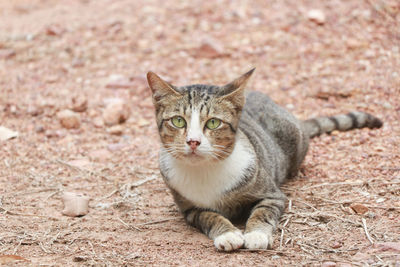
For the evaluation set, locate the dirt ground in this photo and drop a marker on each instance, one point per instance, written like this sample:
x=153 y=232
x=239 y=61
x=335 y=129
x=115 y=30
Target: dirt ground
x=344 y=206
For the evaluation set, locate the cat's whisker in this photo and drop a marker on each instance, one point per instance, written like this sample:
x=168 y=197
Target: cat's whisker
x=172 y=149
x=222 y=151
x=219 y=156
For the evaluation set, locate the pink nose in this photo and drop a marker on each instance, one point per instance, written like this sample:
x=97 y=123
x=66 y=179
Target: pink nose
x=193 y=144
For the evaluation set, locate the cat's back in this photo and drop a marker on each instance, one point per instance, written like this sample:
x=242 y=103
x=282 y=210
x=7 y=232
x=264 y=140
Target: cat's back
x=273 y=130
x=261 y=108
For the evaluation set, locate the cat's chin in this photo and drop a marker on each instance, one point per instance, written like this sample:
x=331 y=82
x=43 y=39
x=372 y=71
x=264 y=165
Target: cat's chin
x=195 y=159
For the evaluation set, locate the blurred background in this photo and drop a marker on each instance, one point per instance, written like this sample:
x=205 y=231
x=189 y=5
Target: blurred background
x=73 y=89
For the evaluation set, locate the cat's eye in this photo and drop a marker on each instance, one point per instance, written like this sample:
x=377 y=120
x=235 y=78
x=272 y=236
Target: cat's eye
x=178 y=122
x=213 y=123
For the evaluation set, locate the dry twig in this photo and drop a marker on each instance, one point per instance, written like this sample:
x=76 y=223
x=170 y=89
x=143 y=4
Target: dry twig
x=129 y=226
x=158 y=221
x=364 y=224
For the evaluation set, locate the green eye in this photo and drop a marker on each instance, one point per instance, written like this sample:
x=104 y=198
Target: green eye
x=178 y=122
x=213 y=123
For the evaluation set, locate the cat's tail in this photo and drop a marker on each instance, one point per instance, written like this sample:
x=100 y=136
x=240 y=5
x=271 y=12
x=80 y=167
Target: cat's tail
x=344 y=122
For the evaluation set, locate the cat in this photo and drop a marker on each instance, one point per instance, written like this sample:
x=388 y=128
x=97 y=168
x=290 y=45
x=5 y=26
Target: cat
x=224 y=153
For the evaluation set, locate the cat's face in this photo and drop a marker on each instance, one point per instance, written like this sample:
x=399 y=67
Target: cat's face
x=198 y=123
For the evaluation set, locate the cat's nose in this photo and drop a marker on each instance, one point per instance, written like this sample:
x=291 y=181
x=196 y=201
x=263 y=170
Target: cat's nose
x=193 y=144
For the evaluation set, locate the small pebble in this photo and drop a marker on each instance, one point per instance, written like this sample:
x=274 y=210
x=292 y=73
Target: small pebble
x=370 y=215
x=316 y=16
x=79 y=259
x=39 y=129
x=210 y=48
x=116 y=130
x=98 y=122
x=34 y=111
x=69 y=119
x=7 y=53
x=102 y=155
x=336 y=245
x=75 y=204
x=328 y=264
x=79 y=103
x=359 y=208
x=116 y=112
x=116 y=146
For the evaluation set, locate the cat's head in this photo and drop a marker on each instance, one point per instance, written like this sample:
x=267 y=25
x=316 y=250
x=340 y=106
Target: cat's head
x=198 y=123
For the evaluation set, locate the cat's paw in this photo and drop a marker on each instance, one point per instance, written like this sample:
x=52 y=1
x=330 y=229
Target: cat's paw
x=229 y=241
x=257 y=240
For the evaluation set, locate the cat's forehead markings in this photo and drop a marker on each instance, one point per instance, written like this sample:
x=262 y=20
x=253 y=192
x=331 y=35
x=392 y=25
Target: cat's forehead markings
x=201 y=107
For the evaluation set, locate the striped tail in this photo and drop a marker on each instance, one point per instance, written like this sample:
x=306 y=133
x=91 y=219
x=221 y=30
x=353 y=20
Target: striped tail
x=352 y=120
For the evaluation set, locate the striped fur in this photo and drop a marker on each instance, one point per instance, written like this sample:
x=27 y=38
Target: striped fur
x=344 y=122
x=237 y=168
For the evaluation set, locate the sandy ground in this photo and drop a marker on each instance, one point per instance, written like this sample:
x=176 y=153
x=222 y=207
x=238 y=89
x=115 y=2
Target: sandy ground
x=346 y=58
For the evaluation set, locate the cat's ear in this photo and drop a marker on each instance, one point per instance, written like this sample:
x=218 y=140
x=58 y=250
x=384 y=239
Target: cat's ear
x=159 y=87
x=234 y=91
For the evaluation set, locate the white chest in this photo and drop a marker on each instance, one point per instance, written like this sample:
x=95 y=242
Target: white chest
x=205 y=185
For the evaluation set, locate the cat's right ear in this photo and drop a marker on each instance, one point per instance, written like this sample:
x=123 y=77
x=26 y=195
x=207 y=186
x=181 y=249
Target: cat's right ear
x=159 y=87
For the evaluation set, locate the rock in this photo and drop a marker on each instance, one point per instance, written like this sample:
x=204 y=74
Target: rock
x=142 y=122
x=11 y=259
x=116 y=130
x=83 y=163
x=385 y=246
x=116 y=146
x=328 y=264
x=387 y=105
x=355 y=44
x=336 y=245
x=316 y=16
x=39 y=129
x=6 y=134
x=98 y=122
x=75 y=204
x=79 y=103
x=54 y=30
x=13 y=110
x=69 y=119
x=370 y=215
x=117 y=81
x=102 y=155
x=77 y=63
x=116 y=112
x=7 y=53
x=51 y=79
x=79 y=259
x=54 y=134
x=34 y=111
x=210 y=48
x=359 y=208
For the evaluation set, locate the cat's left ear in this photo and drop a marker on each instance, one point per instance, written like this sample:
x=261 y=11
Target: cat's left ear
x=234 y=91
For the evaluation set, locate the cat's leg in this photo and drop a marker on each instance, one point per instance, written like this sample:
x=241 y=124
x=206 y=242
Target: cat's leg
x=262 y=222
x=225 y=235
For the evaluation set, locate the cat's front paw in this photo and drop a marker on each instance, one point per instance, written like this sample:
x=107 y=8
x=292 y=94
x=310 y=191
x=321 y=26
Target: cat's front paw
x=257 y=240
x=229 y=241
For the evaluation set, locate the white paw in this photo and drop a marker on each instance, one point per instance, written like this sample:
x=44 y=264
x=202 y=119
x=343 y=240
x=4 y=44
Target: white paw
x=257 y=240
x=229 y=241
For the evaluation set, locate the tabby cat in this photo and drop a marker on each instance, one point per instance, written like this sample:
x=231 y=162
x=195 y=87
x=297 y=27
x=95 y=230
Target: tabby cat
x=225 y=152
